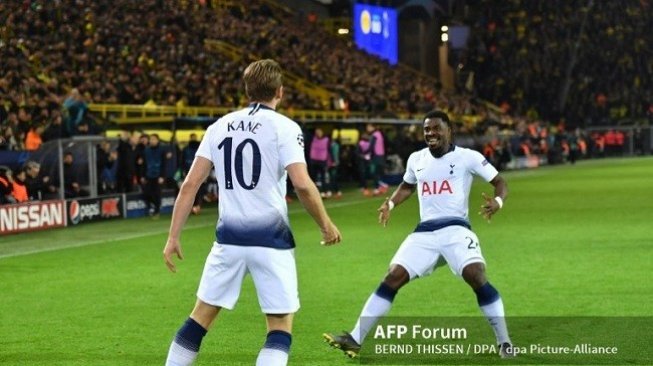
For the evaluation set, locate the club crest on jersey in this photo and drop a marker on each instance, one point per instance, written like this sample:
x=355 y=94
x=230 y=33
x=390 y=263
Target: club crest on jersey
x=300 y=140
x=451 y=166
x=434 y=188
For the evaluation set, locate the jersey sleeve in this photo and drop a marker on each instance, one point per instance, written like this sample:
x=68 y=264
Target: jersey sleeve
x=409 y=175
x=479 y=165
x=291 y=145
x=204 y=150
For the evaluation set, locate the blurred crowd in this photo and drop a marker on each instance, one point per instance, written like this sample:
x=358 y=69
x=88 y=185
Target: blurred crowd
x=521 y=51
x=152 y=52
x=362 y=82
x=135 y=163
x=60 y=56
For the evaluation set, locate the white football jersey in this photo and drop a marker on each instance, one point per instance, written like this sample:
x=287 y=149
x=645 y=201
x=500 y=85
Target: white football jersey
x=250 y=150
x=443 y=184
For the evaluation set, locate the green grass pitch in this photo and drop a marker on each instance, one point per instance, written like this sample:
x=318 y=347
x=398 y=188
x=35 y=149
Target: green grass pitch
x=570 y=240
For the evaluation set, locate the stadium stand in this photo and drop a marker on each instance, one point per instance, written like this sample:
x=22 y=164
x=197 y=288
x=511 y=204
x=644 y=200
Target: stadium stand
x=524 y=53
x=121 y=57
x=150 y=62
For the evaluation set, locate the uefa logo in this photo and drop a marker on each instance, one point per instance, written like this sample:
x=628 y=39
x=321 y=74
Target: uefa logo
x=366 y=22
x=74 y=212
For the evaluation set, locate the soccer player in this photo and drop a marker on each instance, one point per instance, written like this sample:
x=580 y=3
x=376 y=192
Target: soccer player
x=442 y=174
x=252 y=150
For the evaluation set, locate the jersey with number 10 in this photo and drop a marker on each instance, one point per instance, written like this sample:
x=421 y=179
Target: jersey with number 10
x=250 y=150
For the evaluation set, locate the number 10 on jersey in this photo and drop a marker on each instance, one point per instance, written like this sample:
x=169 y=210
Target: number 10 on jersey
x=227 y=146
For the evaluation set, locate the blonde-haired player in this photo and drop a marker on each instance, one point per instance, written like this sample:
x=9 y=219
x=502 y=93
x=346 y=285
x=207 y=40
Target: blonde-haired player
x=253 y=150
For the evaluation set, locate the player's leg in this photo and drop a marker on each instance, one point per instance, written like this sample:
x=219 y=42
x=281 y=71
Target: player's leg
x=491 y=305
x=219 y=288
x=187 y=342
x=416 y=257
x=380 y=301
x=463 y=253
x=277 y=342
x=275 y=278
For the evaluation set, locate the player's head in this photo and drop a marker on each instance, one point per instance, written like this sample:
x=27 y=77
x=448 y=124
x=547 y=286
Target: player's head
x=263 y=81
x=437 y=132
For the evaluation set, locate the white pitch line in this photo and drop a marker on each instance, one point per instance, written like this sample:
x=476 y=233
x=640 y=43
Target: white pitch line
x=150 y=233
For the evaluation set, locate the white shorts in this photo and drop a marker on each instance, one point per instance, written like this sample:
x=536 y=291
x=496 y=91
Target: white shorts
x=273 y=271
x=421 y=252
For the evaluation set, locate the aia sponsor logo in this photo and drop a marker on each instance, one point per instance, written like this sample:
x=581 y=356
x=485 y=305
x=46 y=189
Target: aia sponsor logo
x=435 y=188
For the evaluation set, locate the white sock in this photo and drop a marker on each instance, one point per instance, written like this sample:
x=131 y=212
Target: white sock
x=374 y=308
x=494 y=314
x=272 y=357
x=180 y=356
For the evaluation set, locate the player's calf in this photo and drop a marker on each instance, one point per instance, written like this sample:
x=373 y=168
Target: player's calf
x=275 y=350
x=186 y=344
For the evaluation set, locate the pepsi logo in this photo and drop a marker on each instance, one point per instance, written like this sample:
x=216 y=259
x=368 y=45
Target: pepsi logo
x=73 y=212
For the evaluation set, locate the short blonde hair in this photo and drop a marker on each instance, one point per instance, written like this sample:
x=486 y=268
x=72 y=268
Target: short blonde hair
x=262 y=79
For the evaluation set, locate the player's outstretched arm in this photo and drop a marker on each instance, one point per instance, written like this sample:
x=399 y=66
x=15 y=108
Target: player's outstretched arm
x=198 y=172
x=403 y=191
x=310 y=198
x=493 y=204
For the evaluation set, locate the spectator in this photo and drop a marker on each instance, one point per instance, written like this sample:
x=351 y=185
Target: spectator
x=6 y=186
x=620 y=140
x=154 y=162
x=106 y=168
x=187 y=158
x=143 y=143
x=72 y=186
x=33 y=139
x=76 y=109
x=363 y=157
x=319 y=155
x=173 y=174
x=38 y=187
x=55 y=129
x=127 y=155
x=334 y=167
x=19 y=188
x=377 y=161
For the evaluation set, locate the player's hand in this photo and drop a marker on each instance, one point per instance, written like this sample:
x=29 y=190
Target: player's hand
x=489 y=207
x=172 y=247
x=384 y=212
x=330 y=235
